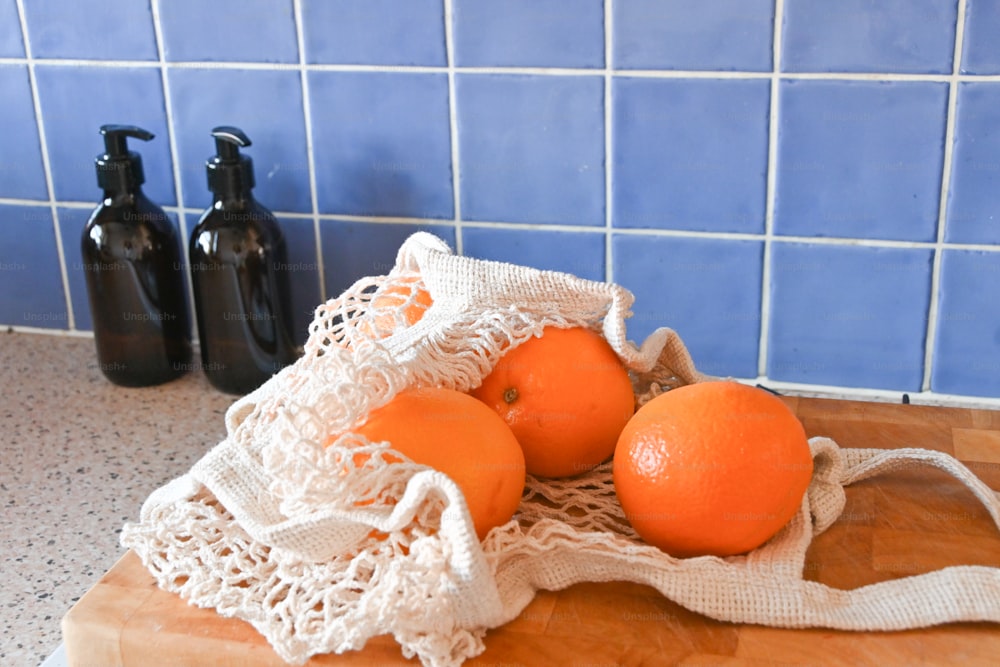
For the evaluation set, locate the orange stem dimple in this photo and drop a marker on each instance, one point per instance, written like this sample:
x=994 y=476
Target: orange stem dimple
x=510 y=395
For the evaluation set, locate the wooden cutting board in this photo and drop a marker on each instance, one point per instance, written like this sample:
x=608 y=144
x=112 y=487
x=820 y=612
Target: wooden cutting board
x=910 y=522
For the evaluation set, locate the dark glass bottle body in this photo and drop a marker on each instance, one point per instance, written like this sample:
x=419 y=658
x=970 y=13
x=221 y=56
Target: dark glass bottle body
x=238 y=270
x=135 y=284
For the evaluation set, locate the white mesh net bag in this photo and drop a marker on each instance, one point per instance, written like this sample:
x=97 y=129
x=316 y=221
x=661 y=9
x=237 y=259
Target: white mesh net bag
x=321 y=550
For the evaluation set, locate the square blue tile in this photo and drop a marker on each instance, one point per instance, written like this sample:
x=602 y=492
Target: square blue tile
x=21 y=173
x=95 y=29
x=229 y=30
x=303 y=272
x=848 y=316
x=529 y=33
x=707 y=35
x=382 y=143
x=11 y=45
x=980 y=48
x=531 y=148
x=267 y=105
x=967 y=345
x=76 y=101
x=71 y=224
x=690 y=154
x=353 y=250
x=31 y=290
x=860 y=159
x=374 y=32
x=707 y=290
x=578 y=253
x=974 y=202
x=911 y=36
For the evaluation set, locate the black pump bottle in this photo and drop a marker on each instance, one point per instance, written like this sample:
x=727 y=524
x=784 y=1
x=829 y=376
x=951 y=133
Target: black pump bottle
x=239 y=272
x=135 y=282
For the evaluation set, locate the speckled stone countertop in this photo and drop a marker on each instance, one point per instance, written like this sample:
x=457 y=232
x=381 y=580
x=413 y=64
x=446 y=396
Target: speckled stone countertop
x=78 y=456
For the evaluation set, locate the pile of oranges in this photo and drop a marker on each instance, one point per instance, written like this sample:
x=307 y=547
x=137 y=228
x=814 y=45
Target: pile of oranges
x=714 y=468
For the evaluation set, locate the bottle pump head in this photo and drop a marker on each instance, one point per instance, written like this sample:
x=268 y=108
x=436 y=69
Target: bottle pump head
x=118 y=168
x=230 y=174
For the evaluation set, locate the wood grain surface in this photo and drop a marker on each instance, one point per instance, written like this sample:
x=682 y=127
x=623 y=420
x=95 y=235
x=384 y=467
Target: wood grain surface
x=912 y=521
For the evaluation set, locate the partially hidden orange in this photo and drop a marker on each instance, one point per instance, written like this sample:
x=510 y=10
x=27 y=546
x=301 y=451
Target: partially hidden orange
x=713 y=468
x=393 y=306
x=565 y=395
x=454 y=433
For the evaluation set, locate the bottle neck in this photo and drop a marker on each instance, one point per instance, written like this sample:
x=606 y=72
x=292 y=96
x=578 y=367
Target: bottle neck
x=233 y=201
x=124 y=197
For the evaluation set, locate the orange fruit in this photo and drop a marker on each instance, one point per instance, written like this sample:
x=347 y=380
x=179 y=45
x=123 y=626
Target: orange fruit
x=394 y=306
x=712 y=468
x=452 y=432
x=566 y=396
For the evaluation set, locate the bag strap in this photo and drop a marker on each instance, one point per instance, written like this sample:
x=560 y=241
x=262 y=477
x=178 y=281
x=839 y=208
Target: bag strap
x=766 y=586
x=950 y=594
x=861 y=464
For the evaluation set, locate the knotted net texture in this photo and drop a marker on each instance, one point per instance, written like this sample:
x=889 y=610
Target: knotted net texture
x=324 y=547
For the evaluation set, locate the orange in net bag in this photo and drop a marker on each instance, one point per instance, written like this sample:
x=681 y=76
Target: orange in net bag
x=322 y=547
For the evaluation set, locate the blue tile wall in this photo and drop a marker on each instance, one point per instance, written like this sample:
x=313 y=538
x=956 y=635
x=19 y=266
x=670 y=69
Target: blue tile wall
x=10 y=30
x=96 y=29
x=531 y=148
x=807 y=191
x=303 y=272
x=374 y=32
x=71 y=224
x=720 y=35
x=981 y=52
x=912 y=36
x=382 y=145
x=229 y=30
x=848 y=315
x=860 y=159
x=529 y=33
x=32 y=293
x=968 y=329
x=707 y=290
x=21 y=173
x=353 y=250
x=690 y=154
x=974 y=202
x=581 y=254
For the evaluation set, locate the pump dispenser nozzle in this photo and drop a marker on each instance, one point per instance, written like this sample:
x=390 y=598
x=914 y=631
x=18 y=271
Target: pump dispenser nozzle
x=230 y=173
x=119 y=169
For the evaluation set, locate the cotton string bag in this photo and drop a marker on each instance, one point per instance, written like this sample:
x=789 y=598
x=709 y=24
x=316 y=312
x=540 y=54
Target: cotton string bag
x=321 y=549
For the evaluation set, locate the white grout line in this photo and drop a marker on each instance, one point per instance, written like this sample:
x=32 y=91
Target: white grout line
x=310 y=150
x=456 y=175
x=13 y=201
x=176 y=162
x=47 y=168
x=589 y=229
x=930 y=337
x=772 y=160
x=534 y=71
x=609 y=266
